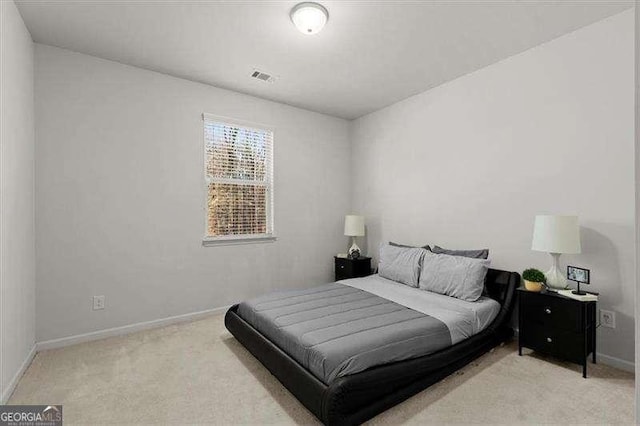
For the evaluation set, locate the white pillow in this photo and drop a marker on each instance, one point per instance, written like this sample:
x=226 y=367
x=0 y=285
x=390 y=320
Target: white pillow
x=401 y=264
x=455 y=276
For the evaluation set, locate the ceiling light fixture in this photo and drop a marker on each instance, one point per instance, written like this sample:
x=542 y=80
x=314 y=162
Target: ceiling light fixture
x=309 y=18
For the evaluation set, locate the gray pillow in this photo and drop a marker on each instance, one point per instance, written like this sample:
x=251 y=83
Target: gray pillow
x=426 y=246
x=401 y=264
x=456 y=276
x=474 y=254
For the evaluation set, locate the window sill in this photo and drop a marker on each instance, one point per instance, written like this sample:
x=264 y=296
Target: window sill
x=212 y=242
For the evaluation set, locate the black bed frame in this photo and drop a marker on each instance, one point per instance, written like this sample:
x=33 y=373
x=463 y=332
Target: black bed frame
x=358 y=397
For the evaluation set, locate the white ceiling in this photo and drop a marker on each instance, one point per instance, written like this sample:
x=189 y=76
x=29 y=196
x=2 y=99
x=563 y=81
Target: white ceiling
x=370 y=54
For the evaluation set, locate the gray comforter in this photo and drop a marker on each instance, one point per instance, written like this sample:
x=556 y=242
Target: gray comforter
x=335 y=330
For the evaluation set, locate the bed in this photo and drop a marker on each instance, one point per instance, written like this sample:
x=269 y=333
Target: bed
x=352 y=349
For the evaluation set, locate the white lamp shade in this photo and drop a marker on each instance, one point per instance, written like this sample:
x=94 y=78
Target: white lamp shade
x=556 y=234
x=354 y=226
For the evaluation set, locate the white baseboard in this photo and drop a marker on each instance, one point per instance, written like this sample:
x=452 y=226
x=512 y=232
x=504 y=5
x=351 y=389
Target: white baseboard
x=618 y=363
x=125 y=329
x=6 y=393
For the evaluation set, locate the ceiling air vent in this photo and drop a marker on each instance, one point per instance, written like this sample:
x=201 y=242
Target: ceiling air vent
x=263 y=76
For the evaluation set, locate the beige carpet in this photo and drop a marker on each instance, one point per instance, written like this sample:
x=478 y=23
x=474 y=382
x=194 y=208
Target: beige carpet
x=197 y=373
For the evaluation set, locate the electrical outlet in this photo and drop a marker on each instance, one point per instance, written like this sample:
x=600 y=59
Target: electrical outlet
x=607 y=318
x=98 y=303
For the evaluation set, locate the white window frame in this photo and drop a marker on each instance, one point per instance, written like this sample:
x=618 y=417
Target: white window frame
x=269 y=237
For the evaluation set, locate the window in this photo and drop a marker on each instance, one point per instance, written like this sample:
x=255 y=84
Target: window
x=239 y=176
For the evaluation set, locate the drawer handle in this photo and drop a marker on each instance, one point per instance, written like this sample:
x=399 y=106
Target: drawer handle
x=341 y=266
x=549 y=340
x=547 y=310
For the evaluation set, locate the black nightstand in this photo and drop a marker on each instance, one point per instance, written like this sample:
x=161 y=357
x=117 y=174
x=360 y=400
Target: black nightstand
x=558 y=326
x=352 y=268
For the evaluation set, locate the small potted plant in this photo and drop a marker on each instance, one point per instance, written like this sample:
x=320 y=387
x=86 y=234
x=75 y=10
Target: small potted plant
x=533 y=279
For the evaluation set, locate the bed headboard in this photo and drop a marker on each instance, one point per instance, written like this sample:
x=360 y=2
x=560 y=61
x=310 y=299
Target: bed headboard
x=501 y=286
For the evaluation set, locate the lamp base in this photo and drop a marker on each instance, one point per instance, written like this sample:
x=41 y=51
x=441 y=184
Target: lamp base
x=555 y=277
x=354 y=250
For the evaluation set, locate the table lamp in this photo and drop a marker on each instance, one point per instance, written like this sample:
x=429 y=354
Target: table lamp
x=354 y=227
x=556 y=235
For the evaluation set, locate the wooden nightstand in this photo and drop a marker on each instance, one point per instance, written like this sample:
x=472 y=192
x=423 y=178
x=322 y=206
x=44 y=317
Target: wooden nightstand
x=352 y=268
x=558 y=326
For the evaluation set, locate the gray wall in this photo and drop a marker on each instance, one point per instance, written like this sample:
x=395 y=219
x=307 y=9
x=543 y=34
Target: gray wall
x=470 y=163
x=17 y=241
x=120 y=196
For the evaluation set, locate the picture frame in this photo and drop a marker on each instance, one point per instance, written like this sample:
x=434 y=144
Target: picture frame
x=579 y=275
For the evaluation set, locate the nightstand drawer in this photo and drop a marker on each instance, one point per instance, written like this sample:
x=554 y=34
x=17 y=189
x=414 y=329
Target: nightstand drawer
x=352 y=268
x=344 y=269
x=551 y=311
x=563 y=344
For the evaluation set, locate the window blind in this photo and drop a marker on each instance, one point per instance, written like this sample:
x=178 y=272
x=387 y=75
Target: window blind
x=239 y=178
